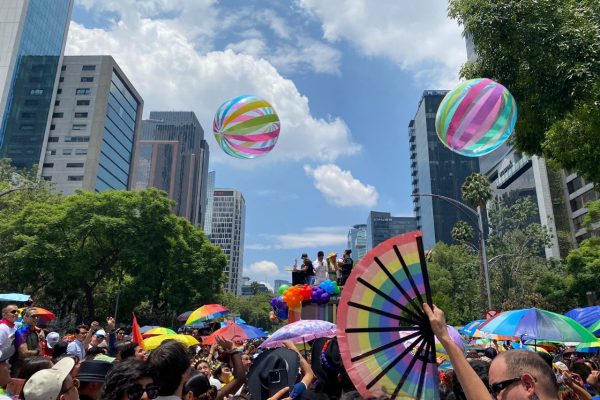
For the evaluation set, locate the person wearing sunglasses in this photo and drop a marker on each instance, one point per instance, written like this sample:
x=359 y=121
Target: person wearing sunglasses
x=27 y=339
x=10 y=313
x=513 y=375
x=130 y=380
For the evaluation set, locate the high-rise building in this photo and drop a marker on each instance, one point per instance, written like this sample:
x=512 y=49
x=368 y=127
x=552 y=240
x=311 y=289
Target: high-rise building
x=210 y=190
x=228 y=227
x=381 y=226
x=96 y=120
x=435 y=170
x=357 y=241
x=173 y=156
x=280 y=282
x=32 y=41
x=579 y=192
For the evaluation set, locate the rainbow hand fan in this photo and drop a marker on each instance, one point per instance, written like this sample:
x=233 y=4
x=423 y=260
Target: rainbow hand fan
x=383 y=298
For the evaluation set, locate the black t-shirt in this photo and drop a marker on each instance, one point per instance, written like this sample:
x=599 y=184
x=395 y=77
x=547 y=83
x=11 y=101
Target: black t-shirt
x=310 y=270
x=347 y=266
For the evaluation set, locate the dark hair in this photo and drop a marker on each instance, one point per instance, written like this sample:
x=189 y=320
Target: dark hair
x=33 y=365
x=481 y=368
x=201 y=387
x=59 y=349
x=82 y=326
x=126 y=350
x=320 y=253
x=93 y=352
x=490 y=353
x=219 y=370
x=170 y=361
x=582 y=370
x=123 y=376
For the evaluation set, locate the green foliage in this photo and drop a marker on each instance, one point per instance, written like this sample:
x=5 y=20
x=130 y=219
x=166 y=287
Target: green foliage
x=477 y=190
x=593 y=214
x=462 y=232
x=76 y=254
x=253 y=309
x=547 y=53
x=583 y=264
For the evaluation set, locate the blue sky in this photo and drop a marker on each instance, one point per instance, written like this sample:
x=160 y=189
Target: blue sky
x=345 y=77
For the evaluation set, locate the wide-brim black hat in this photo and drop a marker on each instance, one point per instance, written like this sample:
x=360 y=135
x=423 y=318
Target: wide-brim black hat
x=93 y=371
x=258 y=376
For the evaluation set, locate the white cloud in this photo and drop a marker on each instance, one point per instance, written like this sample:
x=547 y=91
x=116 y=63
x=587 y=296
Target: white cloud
x=264 y=268
x=267 y=284
x=340 y=187
x=166 y=61
x=417 y=35
x=309 y=238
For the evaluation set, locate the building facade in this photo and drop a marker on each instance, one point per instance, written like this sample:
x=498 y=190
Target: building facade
x=210 y=190
x=173 y=156
x=96 y=121
x=381 y=226
x=435 y=170
x=357 y=241
x=32 y=41
x=228 y=228
x=579 y=192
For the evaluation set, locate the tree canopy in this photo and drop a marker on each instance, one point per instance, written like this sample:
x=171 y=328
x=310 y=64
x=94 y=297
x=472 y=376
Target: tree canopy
x=547 y=53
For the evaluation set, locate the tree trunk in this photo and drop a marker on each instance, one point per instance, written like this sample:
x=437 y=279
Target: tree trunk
x=89 y=300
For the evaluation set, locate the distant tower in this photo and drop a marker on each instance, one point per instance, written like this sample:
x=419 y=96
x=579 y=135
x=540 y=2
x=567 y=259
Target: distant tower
x=357 y=241
x=228 y=227
x=381 y=226
x=209 y=203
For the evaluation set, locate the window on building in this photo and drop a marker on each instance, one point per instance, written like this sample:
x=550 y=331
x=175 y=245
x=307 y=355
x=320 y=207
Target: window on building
x=26 y=127
x=82 y=91
x=36 y=92
x=35 y=79
x=61 y=79
x=32 y=102
x=59 y=91
x=88 y=68
x=47 y=178
x=67 y=152
x=75 y=165
x=63 y=68
x=73 y=139
x=51 y=152
x=53 y=139
x=80 y=152
x=56 y=103
x=57 y=115
x=27 y=115
x=48 y=165
x=52 y=127
x=87 y=79
x=83 y=102
x=75 y=178
x=79 y=127
x=81 y=115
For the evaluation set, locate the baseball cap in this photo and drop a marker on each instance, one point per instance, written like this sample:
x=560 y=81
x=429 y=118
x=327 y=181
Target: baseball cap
x=100 y=332
x=52 y=338
x=47 y=383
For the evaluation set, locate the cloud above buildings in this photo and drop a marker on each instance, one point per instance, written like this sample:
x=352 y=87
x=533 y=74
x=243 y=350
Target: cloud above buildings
x=309 y=238
x=339 y=187
x=263 y=267
x=168 y=57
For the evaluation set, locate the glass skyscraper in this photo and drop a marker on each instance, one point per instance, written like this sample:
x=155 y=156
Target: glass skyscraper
x=32 y=42
x=381 y=226
x=357 y=241
x=435 y=170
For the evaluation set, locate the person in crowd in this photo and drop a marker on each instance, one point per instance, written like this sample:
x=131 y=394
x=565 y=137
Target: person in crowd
x=52 y=339
x=33 y=365
x=53 y=383
x=346 y=267
x=126 y=350
x=98 y=338
x=130 y=380
x=91 y=376
x=5 y=355
x=481 y=368
x=203 y=366
x=198 y=387
x=247 y=361
x=172 y=364
x=79 y=346
x=120 y=335
x=333 y=267
x=513 y=375
x=321 y=268
x=27 y=339
x=58 y=350
x=309 y=271
x=10 y=313
x=223 y=374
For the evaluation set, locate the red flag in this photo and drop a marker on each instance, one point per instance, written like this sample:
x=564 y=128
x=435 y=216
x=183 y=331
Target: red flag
x=136 y=334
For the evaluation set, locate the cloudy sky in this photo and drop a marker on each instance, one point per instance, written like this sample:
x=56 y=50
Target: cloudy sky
x=345 y=77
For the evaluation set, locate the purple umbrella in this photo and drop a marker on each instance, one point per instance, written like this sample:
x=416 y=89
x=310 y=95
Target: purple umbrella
x=183 y=317
x=585 y=316
x=300 y=332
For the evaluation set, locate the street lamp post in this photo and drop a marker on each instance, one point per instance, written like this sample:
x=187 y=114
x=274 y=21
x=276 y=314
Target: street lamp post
x=474 y=213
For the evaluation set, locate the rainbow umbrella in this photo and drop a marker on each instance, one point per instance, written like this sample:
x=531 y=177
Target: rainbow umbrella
x=209 y=311
x=536 y=324
x=236 y=320
x=586 y=316
x=470 y=328
x=44 y=316
x=492 y=336
x=158 y=331
x=235 y=333
x=153 y=342
x=590 y=347
x=595 y=328
x=382 y=298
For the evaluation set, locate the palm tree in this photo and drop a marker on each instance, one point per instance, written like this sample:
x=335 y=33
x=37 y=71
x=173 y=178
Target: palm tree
x=254 y=287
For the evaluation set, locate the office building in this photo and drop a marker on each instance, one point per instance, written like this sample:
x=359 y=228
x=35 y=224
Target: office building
x=32 y=41
x=579 y=192
x=228 y=226
x=381 y=226
x=95 y=124
x=435 y=170
x=173 y=156
x=210 y=190
x=357 y=241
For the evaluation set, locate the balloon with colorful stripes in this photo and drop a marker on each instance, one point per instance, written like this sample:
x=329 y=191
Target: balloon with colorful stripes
x=476 y=118
x=246 y=127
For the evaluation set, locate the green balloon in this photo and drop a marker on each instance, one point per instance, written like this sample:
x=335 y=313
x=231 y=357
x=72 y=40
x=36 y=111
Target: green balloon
x=282 y=289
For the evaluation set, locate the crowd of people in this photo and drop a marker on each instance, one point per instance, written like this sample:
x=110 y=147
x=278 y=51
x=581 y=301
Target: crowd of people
x=315 y=272
x=94 y=362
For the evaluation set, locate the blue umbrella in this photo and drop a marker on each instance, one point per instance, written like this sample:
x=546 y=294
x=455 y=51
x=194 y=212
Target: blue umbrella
x=17 y=297
x=471 y=327
x=237 y=320
x=585 y=316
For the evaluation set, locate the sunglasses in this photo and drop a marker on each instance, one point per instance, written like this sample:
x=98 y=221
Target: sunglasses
x=137 y=391
x=13 y=312
x=496 y=388
x=120 y=333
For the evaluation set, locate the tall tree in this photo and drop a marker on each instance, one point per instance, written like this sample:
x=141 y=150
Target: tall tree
x=547 y=53
x=583 y=264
